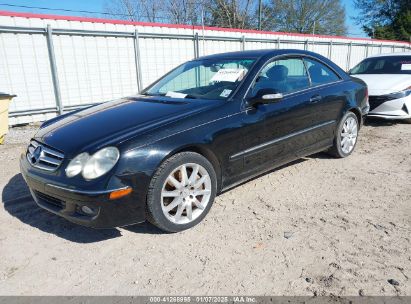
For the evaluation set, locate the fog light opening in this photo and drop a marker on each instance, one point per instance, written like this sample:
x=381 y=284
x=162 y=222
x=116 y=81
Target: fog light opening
x=405 y=109
x=120 y=193
x=87 y=210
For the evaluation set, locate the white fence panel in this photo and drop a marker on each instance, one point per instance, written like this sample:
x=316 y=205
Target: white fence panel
x=358 y=53
x=322 y=49
x=25 y=69
x=251 y=45
x=374 y=50
x=94 y=68
x=100 y=60
x=158 y=56
x=210 y=47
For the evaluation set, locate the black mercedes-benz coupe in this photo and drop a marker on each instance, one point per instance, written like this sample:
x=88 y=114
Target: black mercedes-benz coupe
x=206 y=126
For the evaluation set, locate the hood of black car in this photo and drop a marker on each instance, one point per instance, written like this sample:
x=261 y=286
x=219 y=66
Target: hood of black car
x=115 y=121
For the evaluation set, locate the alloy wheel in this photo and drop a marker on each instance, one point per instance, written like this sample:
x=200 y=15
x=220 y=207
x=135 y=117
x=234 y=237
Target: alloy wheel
x=349 y=135
x=186 y=193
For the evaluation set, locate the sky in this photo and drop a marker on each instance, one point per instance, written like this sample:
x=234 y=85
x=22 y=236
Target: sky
x=354 y=30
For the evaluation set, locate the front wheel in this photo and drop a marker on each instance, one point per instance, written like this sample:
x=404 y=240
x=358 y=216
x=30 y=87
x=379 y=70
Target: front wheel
x=181 y=192
x=345 y=136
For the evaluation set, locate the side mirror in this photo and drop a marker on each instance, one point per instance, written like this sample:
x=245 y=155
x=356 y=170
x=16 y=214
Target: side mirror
x=265 y=96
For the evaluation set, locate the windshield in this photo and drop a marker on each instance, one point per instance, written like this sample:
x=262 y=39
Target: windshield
x=384 y=65
x=204 y=79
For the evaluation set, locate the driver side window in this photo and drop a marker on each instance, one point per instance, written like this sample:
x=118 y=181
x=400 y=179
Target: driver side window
x=283 y=76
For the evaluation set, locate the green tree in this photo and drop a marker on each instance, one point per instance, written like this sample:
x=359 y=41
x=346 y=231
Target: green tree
x=304 y=16
x=385 y=19
x=402 y=26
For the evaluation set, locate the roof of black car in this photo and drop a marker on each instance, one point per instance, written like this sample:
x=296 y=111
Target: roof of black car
x=255 y=53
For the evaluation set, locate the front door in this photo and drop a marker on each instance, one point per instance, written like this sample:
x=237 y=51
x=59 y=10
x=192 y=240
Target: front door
x=277 y=131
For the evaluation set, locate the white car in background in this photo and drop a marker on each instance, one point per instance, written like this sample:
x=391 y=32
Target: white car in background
x=388 y=77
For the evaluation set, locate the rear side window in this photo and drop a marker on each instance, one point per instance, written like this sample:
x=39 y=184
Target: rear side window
x=320 y=73
x=283 y=76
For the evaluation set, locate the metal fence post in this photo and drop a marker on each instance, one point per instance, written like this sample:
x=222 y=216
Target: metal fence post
x=53 y=67
x=330 y=49
x=306 y=45
x=380 y=48
x=349 y=56
x=278 y=43
x=196 y=55
x=137 y=61
x=366 y=50
x=243 y=43
x=196 y=46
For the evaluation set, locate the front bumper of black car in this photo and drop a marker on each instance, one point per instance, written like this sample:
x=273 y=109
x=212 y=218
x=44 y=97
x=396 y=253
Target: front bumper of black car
x=91 y=208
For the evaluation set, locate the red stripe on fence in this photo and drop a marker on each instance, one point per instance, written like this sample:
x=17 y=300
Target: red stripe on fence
x=183 y=26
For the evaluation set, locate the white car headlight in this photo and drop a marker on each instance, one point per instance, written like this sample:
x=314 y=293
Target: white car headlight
x=401 y=94
x=101 y=162
x=93 y=166
x=76 y=164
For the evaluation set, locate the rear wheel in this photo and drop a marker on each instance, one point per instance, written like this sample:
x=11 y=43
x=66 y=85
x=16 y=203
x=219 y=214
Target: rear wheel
x=345 y=136
x=181 y=192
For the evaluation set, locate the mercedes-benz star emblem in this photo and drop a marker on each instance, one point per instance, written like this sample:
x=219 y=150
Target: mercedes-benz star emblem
x=36 y=155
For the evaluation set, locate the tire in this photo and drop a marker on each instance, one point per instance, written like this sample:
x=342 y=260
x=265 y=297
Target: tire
x=408 y=120
x=339 y=149
x=169 y=179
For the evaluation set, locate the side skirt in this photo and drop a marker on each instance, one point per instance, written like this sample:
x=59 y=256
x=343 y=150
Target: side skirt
x=318 y=147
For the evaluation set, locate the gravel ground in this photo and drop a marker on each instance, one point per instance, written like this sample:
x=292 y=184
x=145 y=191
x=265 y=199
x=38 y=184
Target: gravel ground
x=319 y=226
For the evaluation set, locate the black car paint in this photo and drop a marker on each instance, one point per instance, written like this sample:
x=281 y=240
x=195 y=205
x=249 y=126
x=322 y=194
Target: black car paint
x=240 y=141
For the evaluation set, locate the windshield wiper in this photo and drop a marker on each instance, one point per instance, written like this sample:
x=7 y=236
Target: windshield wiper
x=150 y=94
x=190 y=96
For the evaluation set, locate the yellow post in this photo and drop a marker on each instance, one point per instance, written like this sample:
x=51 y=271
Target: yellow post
x=5 y=100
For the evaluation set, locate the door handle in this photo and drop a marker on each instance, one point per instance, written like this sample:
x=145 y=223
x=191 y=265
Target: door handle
x=315 y=98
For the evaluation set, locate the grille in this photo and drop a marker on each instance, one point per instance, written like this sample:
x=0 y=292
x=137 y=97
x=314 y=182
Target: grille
x=376 y=101
x=50 y=200
x=43 y=157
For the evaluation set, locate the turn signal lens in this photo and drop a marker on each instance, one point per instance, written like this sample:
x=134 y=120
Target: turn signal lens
x=120 y=193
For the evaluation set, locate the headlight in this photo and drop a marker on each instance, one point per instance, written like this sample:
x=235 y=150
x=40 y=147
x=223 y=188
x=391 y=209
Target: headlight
x=101 y=162
x=76 y=165
x=93 y=166
x=400 y=94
